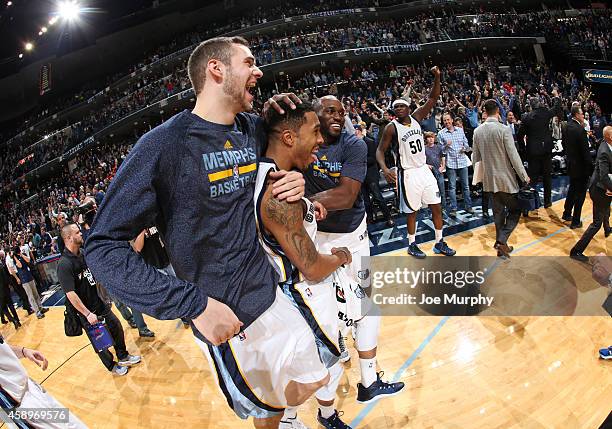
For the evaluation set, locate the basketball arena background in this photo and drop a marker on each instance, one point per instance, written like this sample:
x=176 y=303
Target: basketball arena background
x=82 y=81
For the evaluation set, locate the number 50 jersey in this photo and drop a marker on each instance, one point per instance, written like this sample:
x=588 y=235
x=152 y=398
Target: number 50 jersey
x=411 y=144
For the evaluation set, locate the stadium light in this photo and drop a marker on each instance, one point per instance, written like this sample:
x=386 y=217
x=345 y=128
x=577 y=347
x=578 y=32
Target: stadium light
x=40 y=33
x=29 y=46
x=53 y=20
x=69 y=10
x=44 y=29
x=20 y=55
x=9 y=3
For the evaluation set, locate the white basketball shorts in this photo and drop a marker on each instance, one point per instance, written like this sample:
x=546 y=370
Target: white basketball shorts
x=254 y=368
x=359 y=245
x=417 y=187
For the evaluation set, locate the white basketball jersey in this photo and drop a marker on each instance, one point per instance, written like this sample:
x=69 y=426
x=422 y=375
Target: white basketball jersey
x=276 y=255
x=411 y=144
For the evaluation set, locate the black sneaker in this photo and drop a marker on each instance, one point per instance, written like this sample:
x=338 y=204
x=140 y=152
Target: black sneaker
x=43 y=309
x=377 y=390
x=333 y=422
x=579 y=256
x=442 y=248
x=146 y=332
x=576 y=225
x=567 y=217
x=413 y=250
x=132 y=324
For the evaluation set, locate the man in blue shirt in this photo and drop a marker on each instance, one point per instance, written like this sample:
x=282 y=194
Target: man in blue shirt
x=335 y=180
x=455 y=146
x=193 y=178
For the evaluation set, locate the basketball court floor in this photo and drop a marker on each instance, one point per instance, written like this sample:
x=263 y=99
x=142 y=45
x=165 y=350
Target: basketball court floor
x=460 y=372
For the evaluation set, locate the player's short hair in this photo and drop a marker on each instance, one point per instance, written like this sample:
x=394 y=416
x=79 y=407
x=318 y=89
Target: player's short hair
x=292 y=119
x=66 y=230
x=491 y=107
x=317 y=104
x=219 y=48
x=576 y=109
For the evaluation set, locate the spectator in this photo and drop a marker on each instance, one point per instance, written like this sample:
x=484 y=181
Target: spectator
x=535 y=138
x=436 y=160
x=579 y=166
x=26 y=279
x=370 y=185
x=6 y=303
x=455 y=146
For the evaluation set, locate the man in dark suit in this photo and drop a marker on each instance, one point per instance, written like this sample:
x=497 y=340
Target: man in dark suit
x=535 y=140
x=370 y=184
x=579 y=166
x=514 y=128
x=601 y=195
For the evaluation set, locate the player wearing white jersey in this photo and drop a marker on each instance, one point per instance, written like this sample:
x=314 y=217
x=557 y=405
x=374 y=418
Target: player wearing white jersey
x=312 y=280
x=415 y=182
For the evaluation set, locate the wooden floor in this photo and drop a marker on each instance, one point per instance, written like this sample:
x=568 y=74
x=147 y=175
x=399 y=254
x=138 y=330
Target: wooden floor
x=461 y=372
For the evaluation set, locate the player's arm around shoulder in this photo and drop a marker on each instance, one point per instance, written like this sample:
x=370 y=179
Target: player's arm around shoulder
x=284 y=221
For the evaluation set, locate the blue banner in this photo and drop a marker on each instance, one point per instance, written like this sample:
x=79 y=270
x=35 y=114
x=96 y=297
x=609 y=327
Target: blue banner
x=598 y=76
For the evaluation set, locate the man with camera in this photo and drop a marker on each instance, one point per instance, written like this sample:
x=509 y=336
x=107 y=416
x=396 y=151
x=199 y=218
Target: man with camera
x=78 y=283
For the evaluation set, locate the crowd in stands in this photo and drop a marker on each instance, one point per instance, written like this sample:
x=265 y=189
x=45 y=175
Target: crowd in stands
x=589 y=29
x=366 y=89
x=36 y=218
x=20 y=156
x=367 y=92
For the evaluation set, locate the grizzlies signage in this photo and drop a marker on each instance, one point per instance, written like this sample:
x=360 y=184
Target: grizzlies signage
x=388 y=49
x=598 y=76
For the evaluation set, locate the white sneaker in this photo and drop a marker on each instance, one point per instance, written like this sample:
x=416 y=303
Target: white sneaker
x=129 y=360
x=119 y=370
x=293 y=423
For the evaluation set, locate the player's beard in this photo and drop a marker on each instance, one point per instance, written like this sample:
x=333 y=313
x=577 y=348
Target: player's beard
x=235 y=90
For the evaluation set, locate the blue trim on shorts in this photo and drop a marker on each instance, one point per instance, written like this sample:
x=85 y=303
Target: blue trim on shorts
x=238 y=394
x=404 y=205
x=328 y=352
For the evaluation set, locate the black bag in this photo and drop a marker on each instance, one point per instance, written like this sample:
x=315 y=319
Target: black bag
x=529 y=199
x=72 y=324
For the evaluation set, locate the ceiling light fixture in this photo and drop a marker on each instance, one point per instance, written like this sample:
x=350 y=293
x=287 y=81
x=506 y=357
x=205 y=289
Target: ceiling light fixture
x=69 y=10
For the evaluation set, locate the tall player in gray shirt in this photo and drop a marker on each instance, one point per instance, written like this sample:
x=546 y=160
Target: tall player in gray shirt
x=193 y=177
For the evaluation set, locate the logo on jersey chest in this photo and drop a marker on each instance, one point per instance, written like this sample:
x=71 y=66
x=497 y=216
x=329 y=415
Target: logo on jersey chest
x=230 y=169
x=327 y=169
x=411 y=133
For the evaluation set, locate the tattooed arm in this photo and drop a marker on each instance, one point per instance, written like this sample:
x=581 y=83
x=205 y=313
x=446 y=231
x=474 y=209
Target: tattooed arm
x=284 y=221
